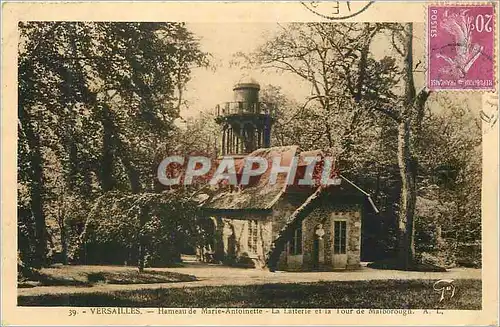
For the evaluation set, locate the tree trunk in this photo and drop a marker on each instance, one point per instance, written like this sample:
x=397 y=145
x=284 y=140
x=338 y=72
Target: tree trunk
x=143 y=218
x=37 y=205
x=218 y=249
x=62 y=225
x=37 y=188
x=64 y=243
x=107 y=158
x=136 y=188
x=407 y=171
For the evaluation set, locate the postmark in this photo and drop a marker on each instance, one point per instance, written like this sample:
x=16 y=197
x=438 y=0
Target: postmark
x=337 y=10
x=489 y=113
x=460 y=47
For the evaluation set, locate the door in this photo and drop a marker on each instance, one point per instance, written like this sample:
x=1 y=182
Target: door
x=339 y=244
x=315 y=254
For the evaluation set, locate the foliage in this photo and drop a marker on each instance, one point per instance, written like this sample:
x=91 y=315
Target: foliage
x=114 y=223
x=99 y=109
x=197 y=135
x=395 y=142
x=449 y=206
x=96 y=101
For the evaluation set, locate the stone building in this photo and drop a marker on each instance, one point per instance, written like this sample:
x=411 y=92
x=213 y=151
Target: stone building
x=282 y=226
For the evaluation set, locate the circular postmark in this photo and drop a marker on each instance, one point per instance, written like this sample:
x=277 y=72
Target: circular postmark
x=337 y=10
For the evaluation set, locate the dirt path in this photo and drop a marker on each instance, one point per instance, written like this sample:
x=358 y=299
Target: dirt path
x=213 y=275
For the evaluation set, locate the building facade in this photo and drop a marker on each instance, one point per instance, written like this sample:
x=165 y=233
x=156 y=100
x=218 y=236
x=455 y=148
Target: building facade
x=280 y=226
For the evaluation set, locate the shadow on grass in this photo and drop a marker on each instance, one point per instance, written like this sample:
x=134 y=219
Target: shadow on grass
x=86 y=276
x=393 y=264
x=380 y=294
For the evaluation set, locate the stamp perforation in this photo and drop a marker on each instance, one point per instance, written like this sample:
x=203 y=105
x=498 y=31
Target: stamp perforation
x=494 y=5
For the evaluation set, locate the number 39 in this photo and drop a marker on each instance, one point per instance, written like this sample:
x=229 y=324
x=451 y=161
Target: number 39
x=482 y=23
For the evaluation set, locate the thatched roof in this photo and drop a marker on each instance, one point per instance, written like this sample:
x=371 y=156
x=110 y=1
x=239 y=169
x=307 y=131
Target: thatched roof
x=260 y=194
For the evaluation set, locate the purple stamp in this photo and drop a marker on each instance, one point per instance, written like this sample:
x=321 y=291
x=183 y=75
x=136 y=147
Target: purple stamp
x=460 y=47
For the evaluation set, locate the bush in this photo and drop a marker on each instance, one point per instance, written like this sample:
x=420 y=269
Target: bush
x=165 y=223
x=25 y=272
x=436 y=259
x=469 y=255
x=96 y=277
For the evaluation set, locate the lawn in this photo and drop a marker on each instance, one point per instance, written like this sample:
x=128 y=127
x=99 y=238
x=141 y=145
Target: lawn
x=89 y=275
x=381 y=294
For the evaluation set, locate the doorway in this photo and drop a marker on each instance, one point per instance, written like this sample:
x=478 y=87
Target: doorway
x=339 y=244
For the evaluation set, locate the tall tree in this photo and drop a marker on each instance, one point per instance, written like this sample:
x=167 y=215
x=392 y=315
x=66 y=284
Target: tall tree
x=449 y=199
x=347 y=80
x=98 y=99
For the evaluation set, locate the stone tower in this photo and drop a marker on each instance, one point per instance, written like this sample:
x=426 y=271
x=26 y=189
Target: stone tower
x=246 y=122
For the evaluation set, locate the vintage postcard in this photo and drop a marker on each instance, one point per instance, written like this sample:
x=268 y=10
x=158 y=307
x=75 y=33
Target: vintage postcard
x=250 y=163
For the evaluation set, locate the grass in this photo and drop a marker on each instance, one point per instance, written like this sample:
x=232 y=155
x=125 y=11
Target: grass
x=89 y=275
x=380 y=294
x=393 y=264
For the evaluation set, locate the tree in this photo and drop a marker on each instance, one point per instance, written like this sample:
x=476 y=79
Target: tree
x=449 y=198
x=347 y=81
x=197 y=134
x=114 y=222
x=408 y=117
x=96 y=100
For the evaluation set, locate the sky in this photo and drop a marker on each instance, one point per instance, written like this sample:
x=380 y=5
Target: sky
x=209 y=87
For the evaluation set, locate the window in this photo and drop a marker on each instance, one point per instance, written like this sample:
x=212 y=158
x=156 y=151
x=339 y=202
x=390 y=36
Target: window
x=296 y=242
x=252 y=236
x=339 y=242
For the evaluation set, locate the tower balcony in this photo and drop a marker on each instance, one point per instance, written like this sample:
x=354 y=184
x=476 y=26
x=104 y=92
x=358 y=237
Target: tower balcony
x=244 y=108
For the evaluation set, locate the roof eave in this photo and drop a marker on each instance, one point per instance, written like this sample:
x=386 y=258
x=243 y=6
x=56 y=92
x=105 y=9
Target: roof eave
x=368 y=196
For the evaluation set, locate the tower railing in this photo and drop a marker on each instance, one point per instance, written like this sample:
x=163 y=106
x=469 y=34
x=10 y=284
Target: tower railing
x=242 y=108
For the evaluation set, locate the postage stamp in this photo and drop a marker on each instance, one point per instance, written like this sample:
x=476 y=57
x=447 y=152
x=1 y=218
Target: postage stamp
x=460 y=47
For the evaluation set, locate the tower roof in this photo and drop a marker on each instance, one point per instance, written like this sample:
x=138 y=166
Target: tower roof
x=247 y=81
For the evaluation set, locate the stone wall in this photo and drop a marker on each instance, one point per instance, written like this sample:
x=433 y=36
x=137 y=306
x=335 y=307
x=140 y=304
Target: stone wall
x=326 y=217
x=283 y=209
x=235 y=238
x=295 y=263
